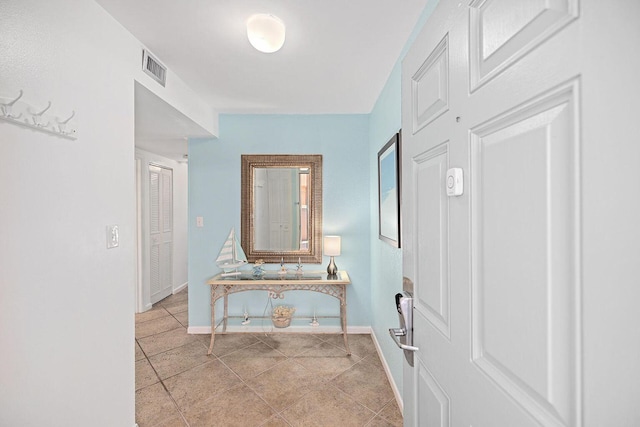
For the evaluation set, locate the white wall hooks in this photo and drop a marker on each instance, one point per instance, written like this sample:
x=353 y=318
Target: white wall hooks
x=18 y=112
x=62 y=124
x=37 y=117
x=7 y=108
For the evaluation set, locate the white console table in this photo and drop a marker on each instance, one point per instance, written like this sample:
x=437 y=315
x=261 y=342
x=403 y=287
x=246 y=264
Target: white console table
x=316 y=281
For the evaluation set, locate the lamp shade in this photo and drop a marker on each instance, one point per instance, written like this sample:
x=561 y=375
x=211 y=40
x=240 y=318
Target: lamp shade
x=332 y=245
x=266 y=32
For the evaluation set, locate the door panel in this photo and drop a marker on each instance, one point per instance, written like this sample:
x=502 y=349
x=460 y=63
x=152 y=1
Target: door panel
x=432 y=229
x=430 y=87
x=434 y=407
x=525 y=216
x=503 y=31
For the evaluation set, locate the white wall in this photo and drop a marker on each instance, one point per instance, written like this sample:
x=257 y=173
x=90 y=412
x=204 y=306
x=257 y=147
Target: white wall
x=180 y=225
x=66 y=302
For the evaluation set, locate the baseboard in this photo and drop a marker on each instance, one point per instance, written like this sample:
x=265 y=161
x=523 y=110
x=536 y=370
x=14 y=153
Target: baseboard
x=258 y=328
x=394 y=387
x=181 y=287
x=199 y=330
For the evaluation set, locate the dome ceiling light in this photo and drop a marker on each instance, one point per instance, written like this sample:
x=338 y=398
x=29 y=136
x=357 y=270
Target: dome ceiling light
x=265 y=32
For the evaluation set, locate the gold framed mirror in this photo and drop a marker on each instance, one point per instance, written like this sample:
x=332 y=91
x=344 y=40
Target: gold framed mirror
x=282 y=207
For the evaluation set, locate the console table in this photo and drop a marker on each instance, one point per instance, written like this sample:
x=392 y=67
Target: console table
x=276 y=284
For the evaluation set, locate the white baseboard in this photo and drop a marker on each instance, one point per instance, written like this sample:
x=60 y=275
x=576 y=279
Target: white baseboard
x=181 y=287
x=258 y=328
x=146 y=307
x=199 y=330
x=394 y=387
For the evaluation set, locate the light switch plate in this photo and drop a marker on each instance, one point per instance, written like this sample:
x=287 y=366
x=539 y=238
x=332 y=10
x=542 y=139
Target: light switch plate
x=113 y=239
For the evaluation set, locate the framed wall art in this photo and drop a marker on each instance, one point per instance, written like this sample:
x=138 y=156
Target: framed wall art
x=389 y=161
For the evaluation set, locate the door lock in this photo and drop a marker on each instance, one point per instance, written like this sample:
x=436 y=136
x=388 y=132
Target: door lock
x=403 y=336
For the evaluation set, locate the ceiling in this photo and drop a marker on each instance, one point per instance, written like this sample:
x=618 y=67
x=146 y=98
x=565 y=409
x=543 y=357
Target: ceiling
x=336 y=58
x=160 y=128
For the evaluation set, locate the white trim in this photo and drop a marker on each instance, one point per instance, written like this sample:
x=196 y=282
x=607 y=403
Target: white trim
x=394 y=387
x=291 y=329
x=179 y=288
x=199 y=330
x=140 y=302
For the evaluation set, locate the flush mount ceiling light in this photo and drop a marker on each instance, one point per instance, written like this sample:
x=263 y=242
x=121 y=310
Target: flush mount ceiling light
x=265 y=32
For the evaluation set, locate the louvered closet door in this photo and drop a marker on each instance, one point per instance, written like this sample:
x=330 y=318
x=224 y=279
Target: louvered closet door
x=280 y=208
x=160 y=232
x=523 y=284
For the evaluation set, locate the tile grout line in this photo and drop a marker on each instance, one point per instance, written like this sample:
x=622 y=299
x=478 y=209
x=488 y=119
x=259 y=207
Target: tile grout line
x=160 y=380
x=175 y=404
x=296 y=353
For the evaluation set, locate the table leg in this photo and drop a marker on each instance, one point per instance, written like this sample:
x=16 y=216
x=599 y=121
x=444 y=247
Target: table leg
x=226 y=313
x=343 y=319
x=213 y=320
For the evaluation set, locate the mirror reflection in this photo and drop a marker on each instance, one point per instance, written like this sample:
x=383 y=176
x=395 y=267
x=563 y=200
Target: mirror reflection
x=282 y=208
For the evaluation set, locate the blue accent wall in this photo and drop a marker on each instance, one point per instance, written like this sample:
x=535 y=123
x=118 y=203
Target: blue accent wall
x=386 y=260
x=349 y=145
x=214 y=194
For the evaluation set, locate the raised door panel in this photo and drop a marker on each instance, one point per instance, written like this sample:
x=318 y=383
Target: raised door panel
x=432 y=236
x=433 y=410
x=504 y=31
x=430 y=87
x=526 y=260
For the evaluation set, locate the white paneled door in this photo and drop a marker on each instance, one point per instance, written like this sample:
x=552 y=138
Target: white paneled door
x=509 y=303
x=160 y=232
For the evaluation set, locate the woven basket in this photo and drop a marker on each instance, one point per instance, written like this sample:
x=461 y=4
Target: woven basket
x=281 y=322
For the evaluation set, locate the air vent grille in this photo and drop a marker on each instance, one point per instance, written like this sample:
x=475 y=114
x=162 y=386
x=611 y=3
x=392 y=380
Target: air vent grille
x=152 y=67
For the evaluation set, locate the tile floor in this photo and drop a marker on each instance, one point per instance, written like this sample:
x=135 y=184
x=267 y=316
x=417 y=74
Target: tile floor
x=269 y=380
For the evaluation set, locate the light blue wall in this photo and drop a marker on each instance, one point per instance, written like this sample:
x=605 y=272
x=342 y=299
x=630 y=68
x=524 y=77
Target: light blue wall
x=386 y=261
x=349 y=144
x=214 y=193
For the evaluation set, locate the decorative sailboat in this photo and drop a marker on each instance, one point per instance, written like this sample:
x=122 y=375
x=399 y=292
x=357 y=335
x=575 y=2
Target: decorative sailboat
x=231 y=256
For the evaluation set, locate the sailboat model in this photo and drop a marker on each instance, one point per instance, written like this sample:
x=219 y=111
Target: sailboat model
x=231 y=256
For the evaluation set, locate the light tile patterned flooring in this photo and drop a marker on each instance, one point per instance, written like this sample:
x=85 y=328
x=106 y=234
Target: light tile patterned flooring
x=255 y=379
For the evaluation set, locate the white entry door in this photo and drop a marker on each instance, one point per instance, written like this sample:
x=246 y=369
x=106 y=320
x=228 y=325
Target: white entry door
x=160 y=232
x=521 y=284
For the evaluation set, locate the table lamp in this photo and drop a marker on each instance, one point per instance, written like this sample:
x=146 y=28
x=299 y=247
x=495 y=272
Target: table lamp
x=332 y=248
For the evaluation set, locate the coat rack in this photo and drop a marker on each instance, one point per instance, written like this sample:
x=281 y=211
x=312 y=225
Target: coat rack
x=18 y=112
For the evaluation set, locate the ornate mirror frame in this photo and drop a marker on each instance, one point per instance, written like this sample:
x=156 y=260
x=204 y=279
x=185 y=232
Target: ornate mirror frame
x=250 y=162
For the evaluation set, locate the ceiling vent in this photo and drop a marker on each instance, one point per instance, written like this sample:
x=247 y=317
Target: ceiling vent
x=152 y=67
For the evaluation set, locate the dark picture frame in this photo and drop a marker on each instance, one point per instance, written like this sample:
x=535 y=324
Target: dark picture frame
x=389 y=173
